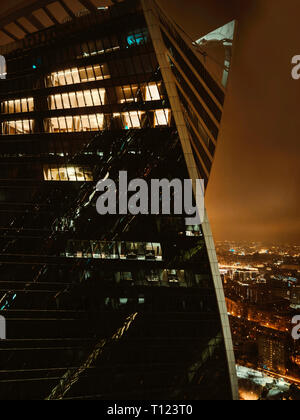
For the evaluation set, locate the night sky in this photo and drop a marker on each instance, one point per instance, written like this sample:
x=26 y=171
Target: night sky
x=254 y=188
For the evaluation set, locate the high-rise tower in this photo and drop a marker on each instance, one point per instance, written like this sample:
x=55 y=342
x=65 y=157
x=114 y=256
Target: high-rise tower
x=115 y=306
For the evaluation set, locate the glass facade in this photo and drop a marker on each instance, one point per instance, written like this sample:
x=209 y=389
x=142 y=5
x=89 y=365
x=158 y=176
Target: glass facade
x=103 y=307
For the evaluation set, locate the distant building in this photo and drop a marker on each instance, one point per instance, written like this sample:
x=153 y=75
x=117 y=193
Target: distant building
x=273 y=353
x=295 y=297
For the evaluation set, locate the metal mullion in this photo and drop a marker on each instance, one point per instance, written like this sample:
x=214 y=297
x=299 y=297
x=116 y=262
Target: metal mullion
x=148 y=90
x=130 y=119
x=81 y=123
x=98 y=123
x=54 y=100
x=63 y=150
x=72 y=78
x=89 y=50
x=83 y=171
x=95 y=80
x=147 y=83
x=57 y=76
x=77 y=101
x=86 y=73
x=75 y=171
x=93 y=102
x=99 y=93
x=81 y=49
x=122 y=88
x=84 y=101
x=120 y=75
x=103 y=78
x=70 y=105
x=62 y=100
x=65 y=162
x=165 y=113
x=139 y=85
x=58 y=124
x=64 y=73
x=96 y=116
x=88 y=118
x=156 y=119
x=93 y=70
x=106 y=91
x=65 y=117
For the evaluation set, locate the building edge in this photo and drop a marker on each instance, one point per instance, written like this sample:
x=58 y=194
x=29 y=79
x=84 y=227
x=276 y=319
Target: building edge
x=150 y=12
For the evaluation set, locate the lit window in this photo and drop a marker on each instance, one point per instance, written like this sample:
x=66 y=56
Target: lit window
x=17 y=127
x=132 y=119
x=78 y=75
x=99 y=47
x=18 y=105
x=162 y=117
x=127 y=93
x=152 y=92
x=93 y=97
x=113 y=250
x=69 y=124
x=67 y=173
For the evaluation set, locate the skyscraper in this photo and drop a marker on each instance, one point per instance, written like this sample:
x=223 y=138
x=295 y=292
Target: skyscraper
x=115 y=306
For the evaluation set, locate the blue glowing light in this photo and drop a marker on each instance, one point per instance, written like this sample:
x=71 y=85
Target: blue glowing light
x=137 y=38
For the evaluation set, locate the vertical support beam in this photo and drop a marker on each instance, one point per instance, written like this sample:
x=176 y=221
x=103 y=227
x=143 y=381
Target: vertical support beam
x=213 y=260
x=151 y=16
